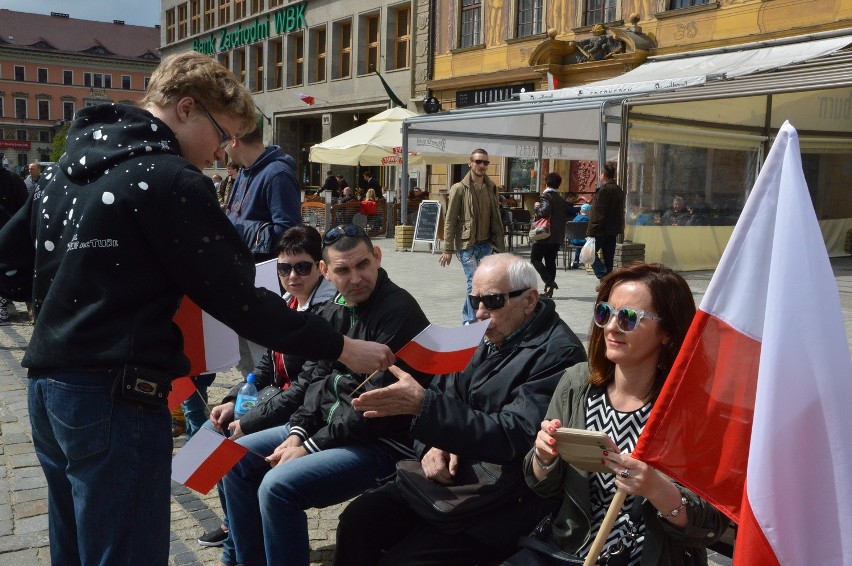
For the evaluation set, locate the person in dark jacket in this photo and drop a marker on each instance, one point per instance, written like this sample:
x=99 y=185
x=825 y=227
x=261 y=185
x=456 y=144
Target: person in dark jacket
x=606 y=221
x=328 y=452
x=126 y=226
x=13 y=195
x=543 y=252
x=640 y=321
x=489 y=412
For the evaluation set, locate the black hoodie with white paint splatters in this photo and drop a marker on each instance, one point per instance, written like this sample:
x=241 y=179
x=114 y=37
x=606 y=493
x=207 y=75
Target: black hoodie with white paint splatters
x=123 y=228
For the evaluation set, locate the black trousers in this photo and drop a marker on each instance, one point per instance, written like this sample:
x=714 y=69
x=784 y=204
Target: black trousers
x=380 y=528
x=604 y=246
x=547 y=268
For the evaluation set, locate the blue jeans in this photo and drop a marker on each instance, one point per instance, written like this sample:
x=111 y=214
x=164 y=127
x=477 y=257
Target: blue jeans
x=102 y=457
x=266 y=506
x=470 y=259
x=195 y=408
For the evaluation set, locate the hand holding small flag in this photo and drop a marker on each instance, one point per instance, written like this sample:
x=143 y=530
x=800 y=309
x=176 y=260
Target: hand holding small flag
x=405 y=397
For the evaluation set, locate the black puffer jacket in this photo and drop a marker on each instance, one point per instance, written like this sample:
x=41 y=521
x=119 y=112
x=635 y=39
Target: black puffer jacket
x=326 y=419
x=122 y=230
x=493 y=409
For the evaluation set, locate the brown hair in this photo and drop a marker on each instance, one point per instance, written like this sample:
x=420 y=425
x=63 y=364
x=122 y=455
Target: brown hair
x=203 y=79
x=673 y=302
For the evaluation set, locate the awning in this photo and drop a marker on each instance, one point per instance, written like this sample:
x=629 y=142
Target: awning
x=689 y=69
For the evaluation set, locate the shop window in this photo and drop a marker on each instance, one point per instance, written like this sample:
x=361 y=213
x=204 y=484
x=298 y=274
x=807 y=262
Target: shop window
x=471 y=23
x=194 y=17
x=225 y=60
x=275 y=3
x=341 y=45
x=401 y=33
x=181 y=21
x=529 y=16
x=209 y=14
x=257 y=62
x=599 y=11
x=21 y=135
x=20 y=108
x=675 y=4
x=170 y=26
x=369 y=44
x=318 y=44
x=239 y=9
x=296 y=50
x=68 y=77
x=125 y=82
x=19 y=73
x=276 y=57
x=240 y=65
x=44 y=136
x=256 y=7
x=224 y=12
x=42 y=74
x=67 y=111
x=44 y=110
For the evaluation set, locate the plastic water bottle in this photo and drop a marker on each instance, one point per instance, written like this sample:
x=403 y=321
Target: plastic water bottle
x=246 y=398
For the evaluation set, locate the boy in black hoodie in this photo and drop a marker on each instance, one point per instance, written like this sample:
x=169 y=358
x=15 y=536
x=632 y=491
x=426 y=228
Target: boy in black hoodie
x=125 y=225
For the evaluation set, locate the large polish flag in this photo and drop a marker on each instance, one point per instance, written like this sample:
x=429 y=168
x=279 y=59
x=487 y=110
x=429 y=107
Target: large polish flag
x=438 y=350
x=205 y=459
x=755 y=414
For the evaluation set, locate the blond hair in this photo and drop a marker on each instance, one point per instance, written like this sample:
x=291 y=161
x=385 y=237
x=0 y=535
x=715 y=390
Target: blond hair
x=203 y=79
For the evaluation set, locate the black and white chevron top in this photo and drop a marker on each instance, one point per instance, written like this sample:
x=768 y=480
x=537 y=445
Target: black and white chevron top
x=624 y=429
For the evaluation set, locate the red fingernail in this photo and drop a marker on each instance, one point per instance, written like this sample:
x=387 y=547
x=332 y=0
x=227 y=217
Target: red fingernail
x=553 y=452
x=550 y=429
x=606 y=453
x=551 y=441
x=603 y=462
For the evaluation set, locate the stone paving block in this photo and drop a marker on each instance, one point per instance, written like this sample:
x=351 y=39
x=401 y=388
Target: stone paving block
x=22 y=448
x=30 y=472
x=28 y=557
x=31 y=524
x=11 y=438
x=30 y=508
x=22 y=541
x=6 y=513
x=7 y=527
x=25 y=484
x=29 y=494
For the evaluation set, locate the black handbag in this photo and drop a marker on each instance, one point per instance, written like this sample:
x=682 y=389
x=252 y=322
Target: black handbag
x=478 y=489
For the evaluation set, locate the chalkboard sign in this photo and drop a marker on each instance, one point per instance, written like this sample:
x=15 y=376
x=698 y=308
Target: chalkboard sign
x=426 y=227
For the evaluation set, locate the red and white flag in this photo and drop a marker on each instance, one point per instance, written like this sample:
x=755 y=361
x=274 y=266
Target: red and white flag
x=438 y=350
x=754 y=416
x=552 y=81
x=205 y=459
x=309 y=100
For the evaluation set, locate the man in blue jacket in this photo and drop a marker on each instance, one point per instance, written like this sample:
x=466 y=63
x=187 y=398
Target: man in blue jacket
x=266 y=195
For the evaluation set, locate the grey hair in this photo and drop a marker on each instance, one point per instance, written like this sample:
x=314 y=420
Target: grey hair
x=521 y=273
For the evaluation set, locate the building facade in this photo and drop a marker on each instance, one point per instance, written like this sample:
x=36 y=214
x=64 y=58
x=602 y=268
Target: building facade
x=53 y=65
x=707 y=152
x=314 y=66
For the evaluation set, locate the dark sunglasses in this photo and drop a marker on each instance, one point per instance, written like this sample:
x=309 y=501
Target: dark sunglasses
x=482 y=162
x=339 y=231
x=493 y=302
x=626 y=319
x=302 y=268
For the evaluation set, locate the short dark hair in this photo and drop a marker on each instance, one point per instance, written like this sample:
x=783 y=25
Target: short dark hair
x=609 y=171
x=329 y=173
x=300 y=239
x=479 y=150
x=346 y=242
x=367 y=172
x=553 y=180
x=674 y=304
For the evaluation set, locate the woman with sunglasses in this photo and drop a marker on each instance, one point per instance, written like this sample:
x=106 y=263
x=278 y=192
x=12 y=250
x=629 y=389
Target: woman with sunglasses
x=641 y=317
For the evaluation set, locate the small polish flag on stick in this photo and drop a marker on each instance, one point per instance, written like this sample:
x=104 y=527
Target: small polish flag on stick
x=438 y=350
x=205 y=459
x=182 y=389
x=552 y=82
x=305 y=98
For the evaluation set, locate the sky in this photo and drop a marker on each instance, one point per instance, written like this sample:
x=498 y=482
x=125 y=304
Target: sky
x=135 y=12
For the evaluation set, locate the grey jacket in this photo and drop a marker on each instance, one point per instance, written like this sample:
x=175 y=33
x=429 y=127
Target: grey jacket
x=461 y=224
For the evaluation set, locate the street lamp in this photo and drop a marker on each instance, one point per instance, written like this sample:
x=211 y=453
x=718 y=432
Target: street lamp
x=390 y=195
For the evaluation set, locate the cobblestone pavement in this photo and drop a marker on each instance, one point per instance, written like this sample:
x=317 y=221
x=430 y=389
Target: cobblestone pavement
x=23 y=491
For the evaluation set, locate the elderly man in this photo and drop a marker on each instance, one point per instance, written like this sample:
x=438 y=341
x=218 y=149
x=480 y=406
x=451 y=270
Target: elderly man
x=105 y=284
x=32 y=179
x=327 y=453
x=473 y=227
x=490 y=412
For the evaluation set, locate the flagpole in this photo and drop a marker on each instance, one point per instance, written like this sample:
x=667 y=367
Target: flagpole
x=258 y=454
x=606 y=527
x=363 y=383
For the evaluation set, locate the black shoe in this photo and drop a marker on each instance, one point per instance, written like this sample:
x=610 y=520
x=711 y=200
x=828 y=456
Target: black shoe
x=575 y=265
x=216 y=537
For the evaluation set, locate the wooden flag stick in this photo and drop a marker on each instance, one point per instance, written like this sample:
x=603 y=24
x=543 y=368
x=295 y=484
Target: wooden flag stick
x=606 y=527
x=258 y=454
x=363 y=383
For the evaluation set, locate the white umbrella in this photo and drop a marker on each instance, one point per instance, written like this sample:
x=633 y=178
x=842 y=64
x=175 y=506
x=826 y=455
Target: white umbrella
x=377 y=142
